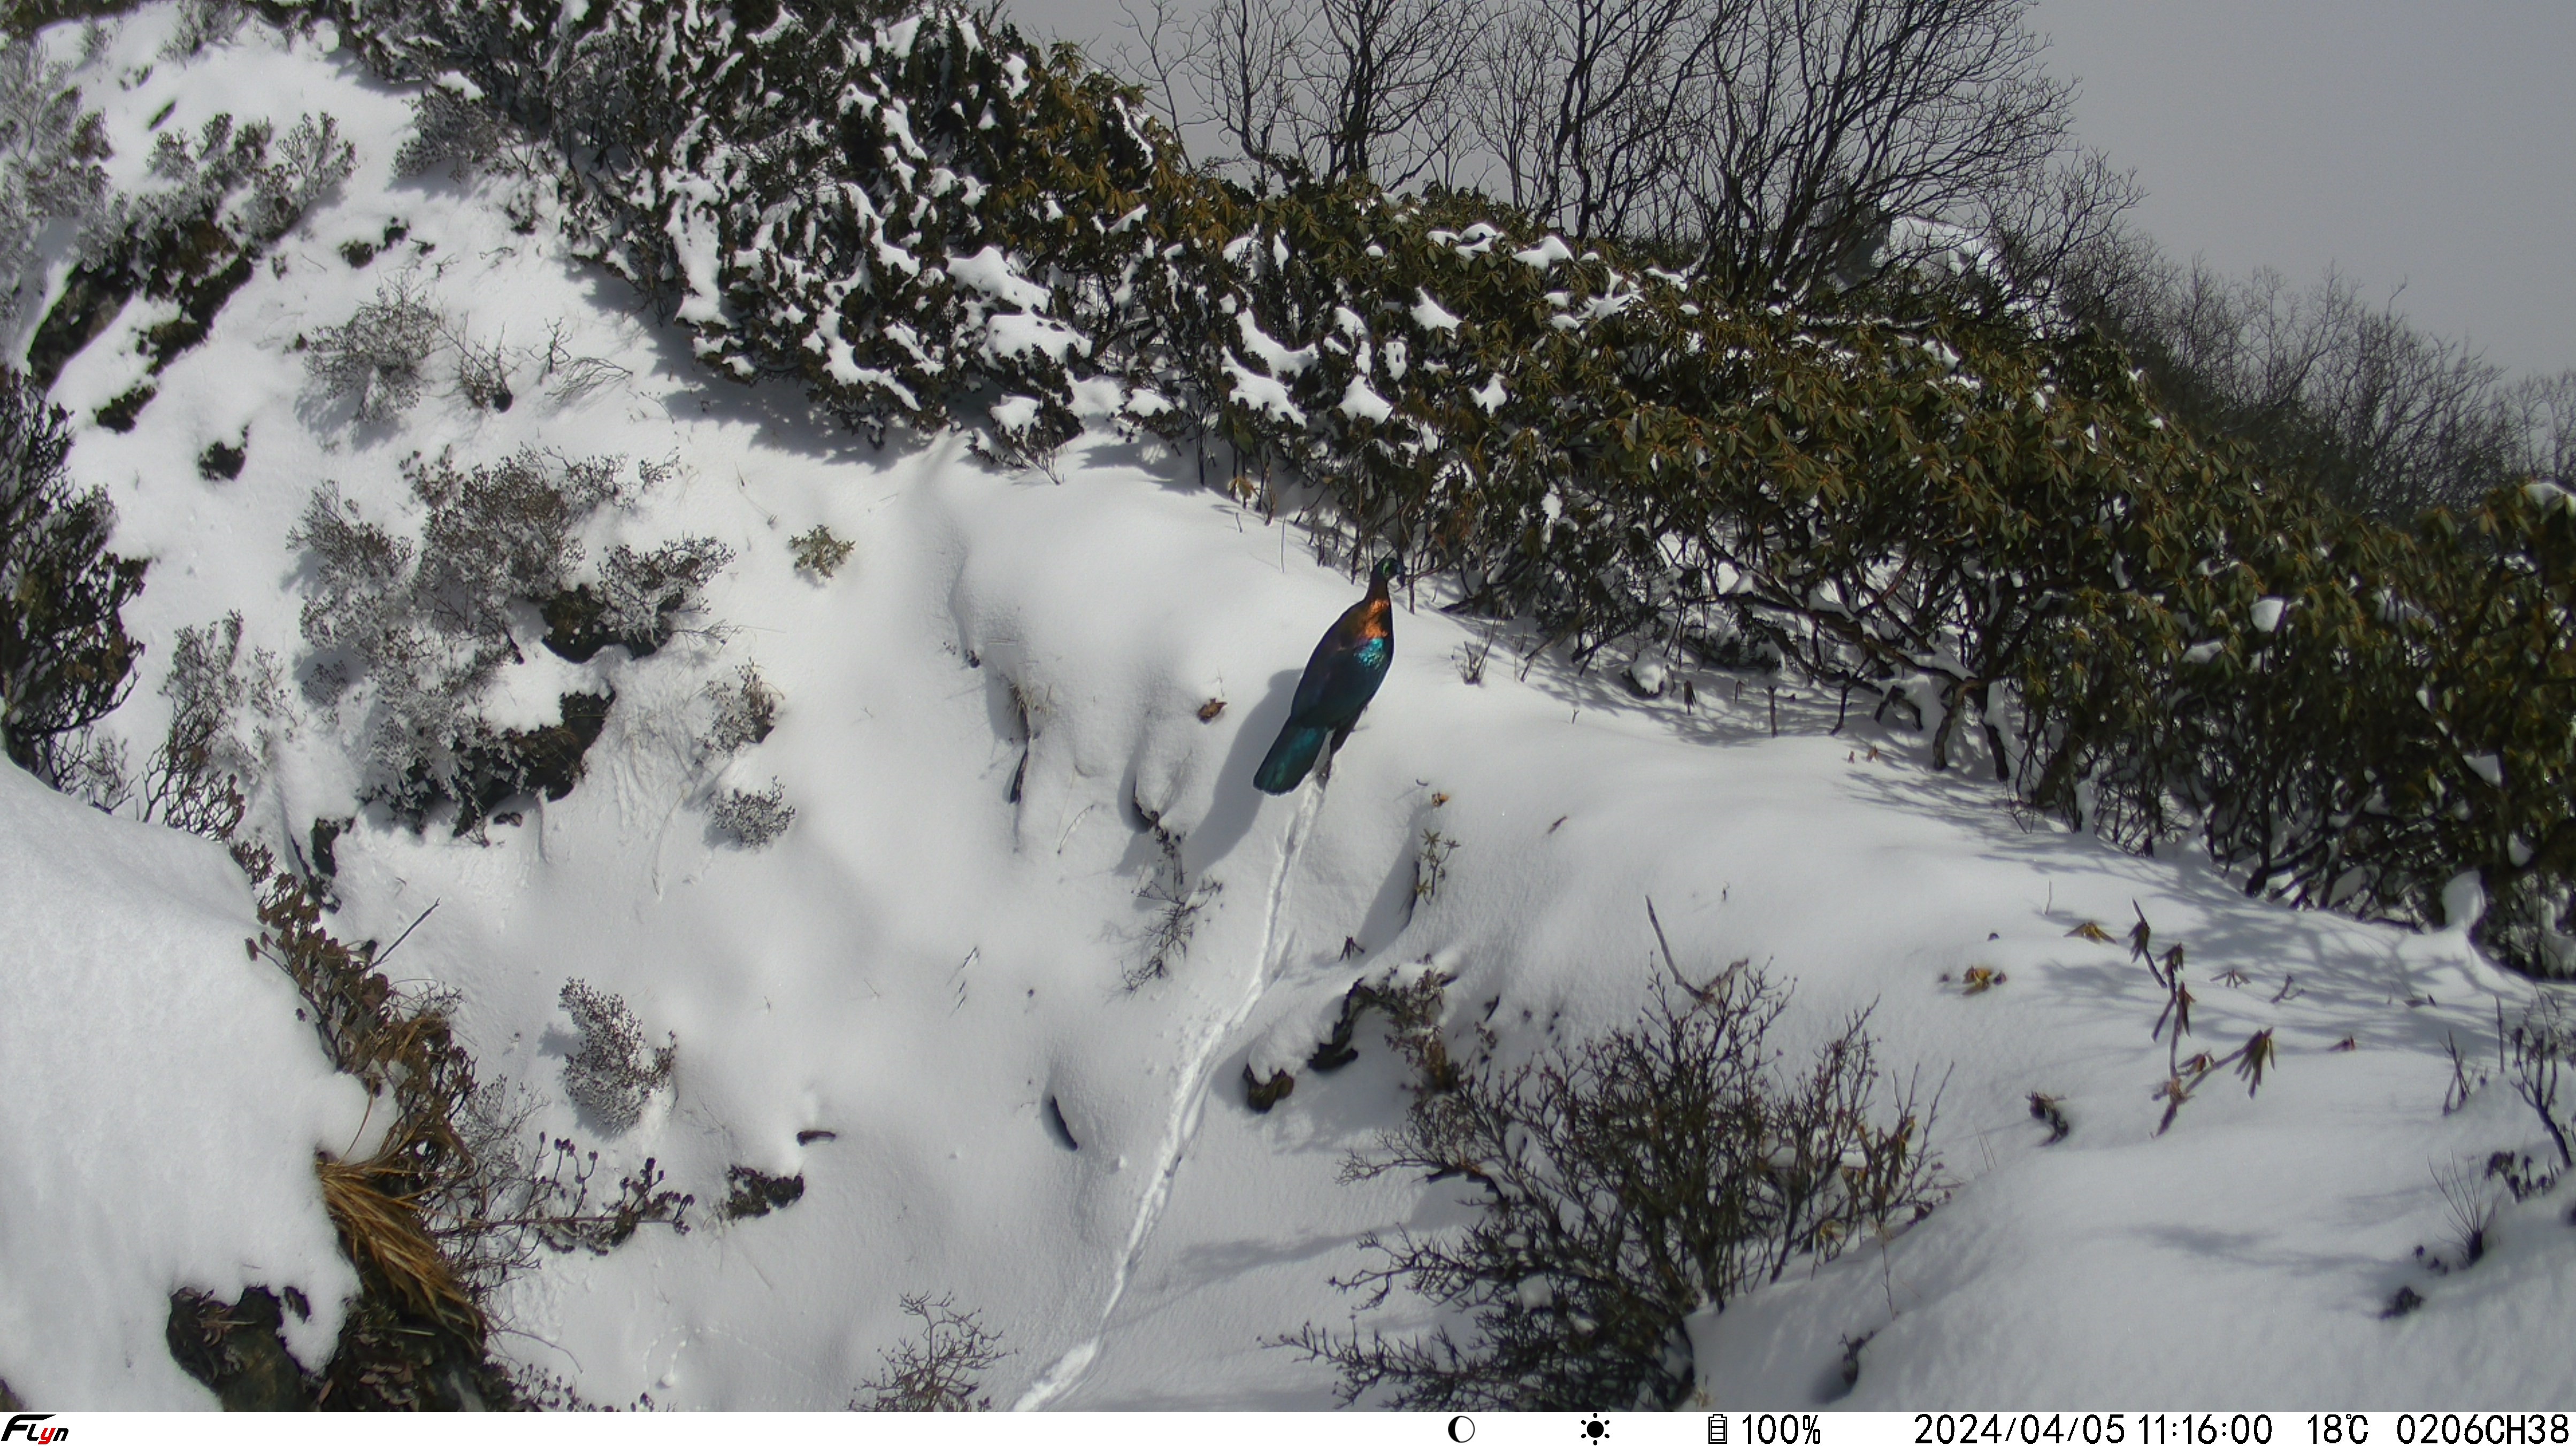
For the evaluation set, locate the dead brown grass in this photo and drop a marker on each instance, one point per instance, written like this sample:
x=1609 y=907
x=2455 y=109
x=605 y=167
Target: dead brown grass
x=457 y=1199
x=382 y=1232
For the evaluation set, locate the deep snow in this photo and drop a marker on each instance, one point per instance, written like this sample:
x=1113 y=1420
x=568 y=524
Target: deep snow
x=160 y=1104
x=928 y=965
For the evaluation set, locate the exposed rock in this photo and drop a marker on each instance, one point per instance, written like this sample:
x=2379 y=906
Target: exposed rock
x=1261 y=1096
x=755 y=1193
x=235 y=1350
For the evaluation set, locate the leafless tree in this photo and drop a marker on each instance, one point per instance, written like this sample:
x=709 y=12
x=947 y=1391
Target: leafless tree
x=1828 y=120
x=2330 y=385
x=1575 y=102
x=1247 y=61
x=1382 y=87
x=2067 y=241
x=2418 y=419
x=1162 y=36
x=2545 y=409
x=1338 y=91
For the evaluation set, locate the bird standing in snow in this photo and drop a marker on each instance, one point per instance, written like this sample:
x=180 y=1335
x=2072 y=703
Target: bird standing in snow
x=1340 y=679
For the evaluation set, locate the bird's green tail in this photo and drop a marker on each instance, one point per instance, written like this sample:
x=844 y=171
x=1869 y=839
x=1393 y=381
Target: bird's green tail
x=1290 y=758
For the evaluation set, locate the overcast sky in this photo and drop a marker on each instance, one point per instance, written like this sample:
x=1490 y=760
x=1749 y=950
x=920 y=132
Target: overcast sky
x=2429 y=145
x=2411 y=143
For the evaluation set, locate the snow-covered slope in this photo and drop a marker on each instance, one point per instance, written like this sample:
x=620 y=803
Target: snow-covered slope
x=160 y=1105
x=919 y=997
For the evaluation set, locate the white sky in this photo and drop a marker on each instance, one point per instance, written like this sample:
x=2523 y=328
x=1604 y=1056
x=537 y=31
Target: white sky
x=2423 y=145
x=2426 y=145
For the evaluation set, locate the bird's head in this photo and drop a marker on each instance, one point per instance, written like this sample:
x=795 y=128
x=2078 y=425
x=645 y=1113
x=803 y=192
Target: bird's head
x=1386 y=571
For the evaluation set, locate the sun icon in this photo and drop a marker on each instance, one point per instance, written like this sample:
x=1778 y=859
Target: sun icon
x=1595 y=1428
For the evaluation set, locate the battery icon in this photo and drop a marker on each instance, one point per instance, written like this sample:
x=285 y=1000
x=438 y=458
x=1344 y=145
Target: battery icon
x=1716 y=1429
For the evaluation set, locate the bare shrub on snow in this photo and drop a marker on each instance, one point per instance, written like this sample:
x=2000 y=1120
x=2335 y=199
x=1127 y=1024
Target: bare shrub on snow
x=50 y=151
x=427 y=626
x=943 y=1371
x=223 y=705
x=2543 y=1049
x=502 y=532
x=1177 y=902
x=375 y=359
x=359 y=603
x=483 y=373
x=1623 y=1184
x=754 y=820
x=746 y=711
x=615 y=1070
x=95 y=768
x=307 y=163
x=582 y=375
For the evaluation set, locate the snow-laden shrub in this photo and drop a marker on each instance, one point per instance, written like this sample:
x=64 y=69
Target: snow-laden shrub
x=50 y=149
x=638 y=600
x=867 y=228
x=503 y=532
x=246 y=182
x=614 y=1069
x=65 y=659
x=224 y=706
x=203 y=23
x=642 y=592
x=191 y=237
x=449 y=131
x=377 y=359
x=1619 y=1186
x=754 y=820
x=360 y=604
x=413 y=634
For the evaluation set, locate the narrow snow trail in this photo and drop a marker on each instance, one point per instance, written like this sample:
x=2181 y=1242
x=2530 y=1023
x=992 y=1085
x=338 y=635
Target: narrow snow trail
x=1189 y=1107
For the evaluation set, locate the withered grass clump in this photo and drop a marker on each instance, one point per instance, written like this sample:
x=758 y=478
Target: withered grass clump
x=1621 y=1185
x=456 y=1199
x=381 y=1230
x=416 y=1335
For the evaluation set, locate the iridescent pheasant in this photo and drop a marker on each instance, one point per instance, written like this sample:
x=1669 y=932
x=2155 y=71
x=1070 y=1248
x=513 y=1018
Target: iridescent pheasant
x=1340 y=679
